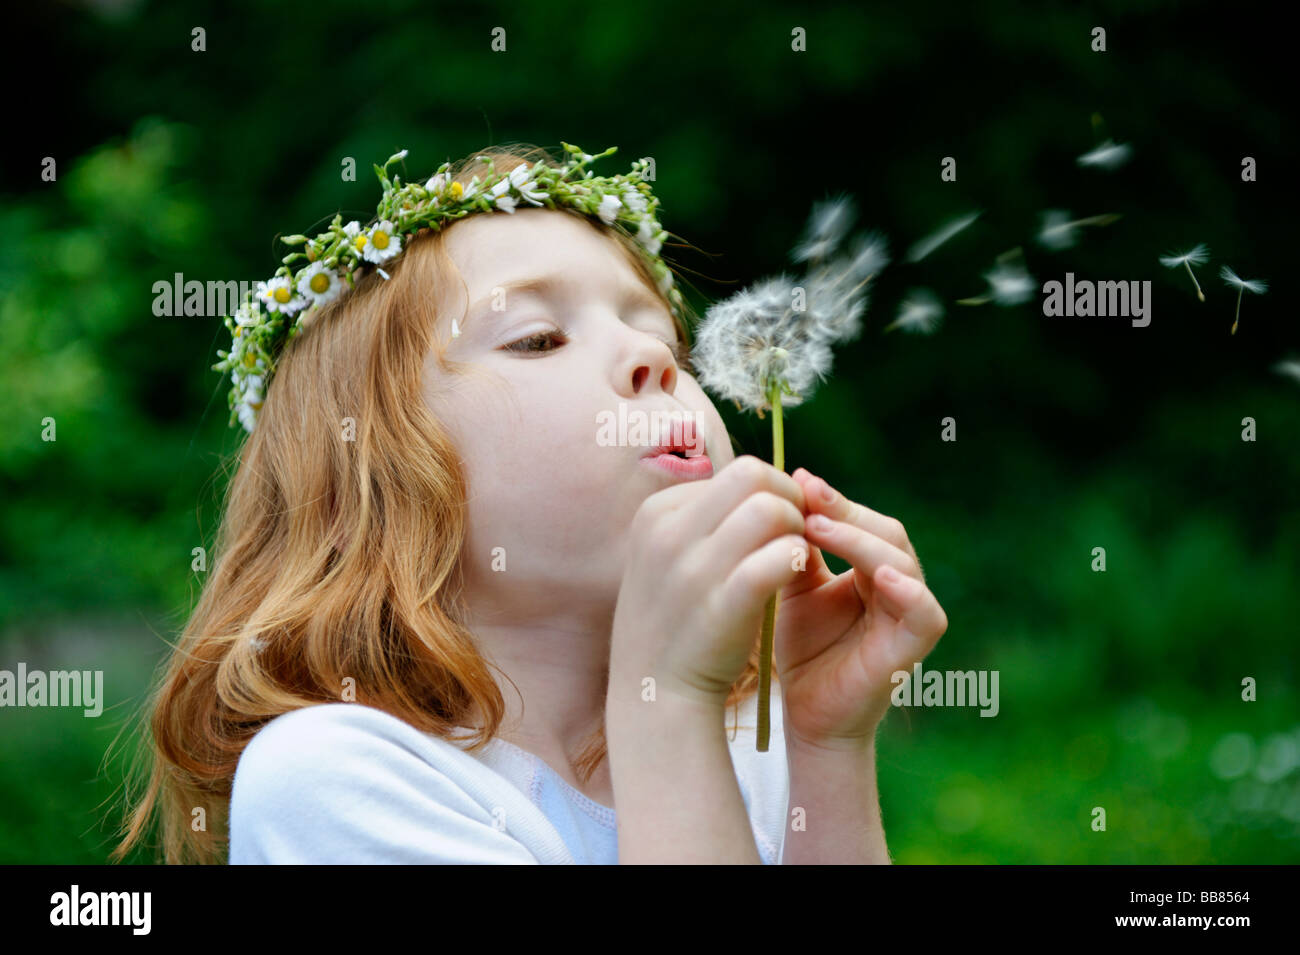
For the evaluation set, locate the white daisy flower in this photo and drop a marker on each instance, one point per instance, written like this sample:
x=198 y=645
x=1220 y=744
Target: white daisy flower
x=608 y=209
x=501 y=191
x=357 y=237
x=250 y=401
x=633 y=199
x=520 y=179
x=319 y=284
x=1109 y=155
x=460 y=192
x=531 y=195
x=277 y=295
x=665 y=282
x=382 y=243
x=921 y=312
x=1254 y=286
x=1197 y=255
x=650 y=235
x=249 y=314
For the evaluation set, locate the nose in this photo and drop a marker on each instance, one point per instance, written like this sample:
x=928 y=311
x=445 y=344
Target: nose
x=648 y=363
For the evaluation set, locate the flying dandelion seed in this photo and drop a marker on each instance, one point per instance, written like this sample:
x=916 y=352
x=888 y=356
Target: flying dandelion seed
x=937 y=238
x=1290 y=368
x=1254 y=286
x=921 y=312
x=827 y=226
x=1059 y=232
x=837 y=294
x=1008 y=285
x=1198 y=255
x=1109 y=155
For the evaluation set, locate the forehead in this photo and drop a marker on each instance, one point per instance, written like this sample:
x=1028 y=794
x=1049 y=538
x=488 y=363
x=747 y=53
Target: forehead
x=498 y=248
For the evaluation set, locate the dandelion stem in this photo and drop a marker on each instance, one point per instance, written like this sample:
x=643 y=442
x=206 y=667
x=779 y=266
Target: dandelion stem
x=1199 y=293
x=774 y=391
x=1236 y=318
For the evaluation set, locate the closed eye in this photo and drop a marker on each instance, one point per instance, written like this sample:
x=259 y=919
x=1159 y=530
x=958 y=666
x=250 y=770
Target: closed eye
x=536 y=344
x=544 y=342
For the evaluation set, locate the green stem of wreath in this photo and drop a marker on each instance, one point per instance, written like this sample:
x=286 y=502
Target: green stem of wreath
x=774 y=391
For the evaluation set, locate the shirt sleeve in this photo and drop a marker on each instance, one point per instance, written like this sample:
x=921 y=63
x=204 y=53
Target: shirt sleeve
x=347 y=784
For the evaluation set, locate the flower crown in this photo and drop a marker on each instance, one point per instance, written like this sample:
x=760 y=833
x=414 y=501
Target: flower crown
x=333 y=259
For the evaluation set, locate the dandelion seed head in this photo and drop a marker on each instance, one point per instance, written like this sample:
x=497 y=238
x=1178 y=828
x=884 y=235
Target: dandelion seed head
x=1109 y=155
x=755 y=337
x=1257 y=286
x=827 y=226
x=1198 y=255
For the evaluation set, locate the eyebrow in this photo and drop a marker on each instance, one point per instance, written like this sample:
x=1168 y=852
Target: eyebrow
x=635 y=295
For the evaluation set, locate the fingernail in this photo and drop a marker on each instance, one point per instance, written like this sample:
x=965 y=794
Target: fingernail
x=818 y=522
x=798 y=471
x=891 y=575
x=828 y=492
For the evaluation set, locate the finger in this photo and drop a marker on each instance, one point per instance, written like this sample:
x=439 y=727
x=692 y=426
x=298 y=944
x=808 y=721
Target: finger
x=738 y=480
x=818 y=569
x=915 y=607
x=762 y=574
x=824 y=499
x=864 y=550
x=756 y=520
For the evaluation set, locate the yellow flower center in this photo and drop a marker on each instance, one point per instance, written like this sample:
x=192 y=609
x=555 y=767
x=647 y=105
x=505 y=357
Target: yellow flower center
x=250 y=360
x=380 y=239
x=319 y=283
x=281 y=295
x=457 y=190
x=359 y=242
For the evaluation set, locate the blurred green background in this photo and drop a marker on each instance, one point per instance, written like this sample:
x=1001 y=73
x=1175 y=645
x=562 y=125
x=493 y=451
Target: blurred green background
x=1119 y=689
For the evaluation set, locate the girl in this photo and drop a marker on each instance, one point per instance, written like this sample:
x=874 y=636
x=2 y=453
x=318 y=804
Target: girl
x=438 y=602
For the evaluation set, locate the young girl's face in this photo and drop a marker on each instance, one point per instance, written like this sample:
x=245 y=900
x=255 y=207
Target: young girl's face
x=548 y=369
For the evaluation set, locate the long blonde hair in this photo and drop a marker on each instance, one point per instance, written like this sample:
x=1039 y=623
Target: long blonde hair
x=336 y=560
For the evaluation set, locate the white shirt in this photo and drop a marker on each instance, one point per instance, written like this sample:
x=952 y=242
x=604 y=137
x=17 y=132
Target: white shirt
x=346 y=783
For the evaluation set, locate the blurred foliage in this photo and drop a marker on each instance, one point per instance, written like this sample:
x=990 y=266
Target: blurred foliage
x=1119 y=690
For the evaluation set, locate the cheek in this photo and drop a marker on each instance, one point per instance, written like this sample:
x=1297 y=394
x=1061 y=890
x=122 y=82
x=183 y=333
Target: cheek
x=719 y=440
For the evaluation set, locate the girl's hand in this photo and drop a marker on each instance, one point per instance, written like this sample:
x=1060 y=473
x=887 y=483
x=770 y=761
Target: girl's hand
x=704 y=557
x=839 y=639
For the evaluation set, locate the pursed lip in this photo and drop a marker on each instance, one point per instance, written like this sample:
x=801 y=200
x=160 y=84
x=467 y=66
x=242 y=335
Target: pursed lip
x=683 y=437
